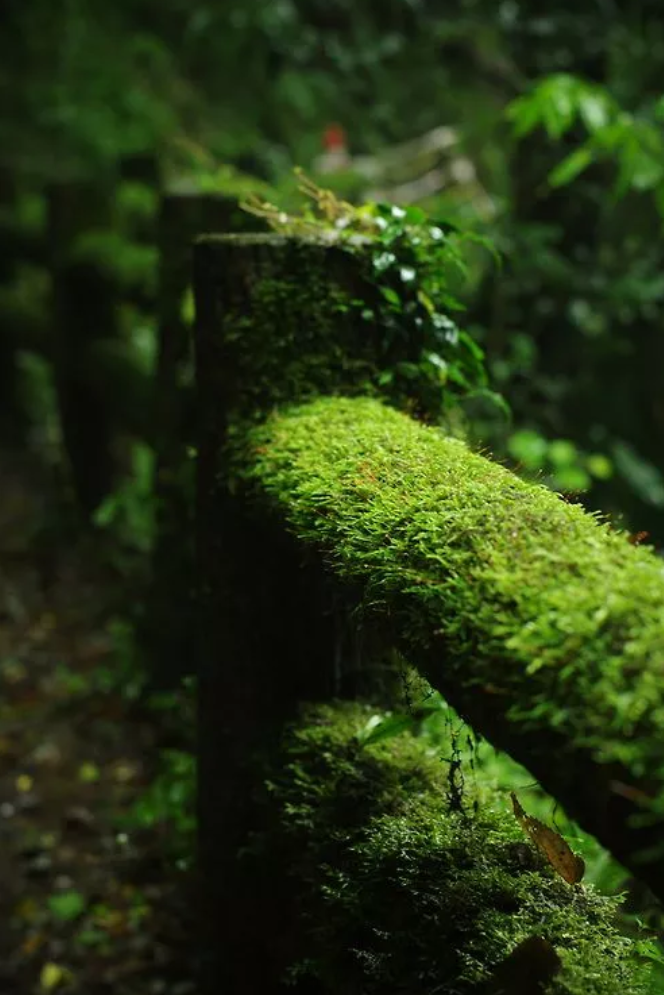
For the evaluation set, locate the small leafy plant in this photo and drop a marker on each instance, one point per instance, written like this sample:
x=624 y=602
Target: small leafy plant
x=168 y=805
x=415 y=266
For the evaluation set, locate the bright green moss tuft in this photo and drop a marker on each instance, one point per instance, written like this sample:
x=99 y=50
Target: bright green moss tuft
x=526 y=610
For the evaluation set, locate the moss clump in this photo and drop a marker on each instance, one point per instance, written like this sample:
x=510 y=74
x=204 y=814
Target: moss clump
x=304 y=354
x=391 y=892
x=289 y=328
x=533 y=617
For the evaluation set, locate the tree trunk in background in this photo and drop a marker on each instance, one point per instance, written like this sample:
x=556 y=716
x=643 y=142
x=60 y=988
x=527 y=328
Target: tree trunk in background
x=11 y=415
x=84 y=307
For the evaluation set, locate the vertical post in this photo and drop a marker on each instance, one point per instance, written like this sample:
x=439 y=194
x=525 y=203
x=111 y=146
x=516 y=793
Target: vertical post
x=275 y=323
x=169 y=627
x=84 y=306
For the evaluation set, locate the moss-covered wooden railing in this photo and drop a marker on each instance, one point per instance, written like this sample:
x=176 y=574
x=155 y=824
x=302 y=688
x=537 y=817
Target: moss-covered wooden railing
x=543 y=627
x=540 y=625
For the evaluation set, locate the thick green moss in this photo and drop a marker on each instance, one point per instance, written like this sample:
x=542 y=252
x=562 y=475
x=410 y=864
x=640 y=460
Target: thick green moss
x=289 y=327
x=533 y=617
x=391 y=892
x=294 y=364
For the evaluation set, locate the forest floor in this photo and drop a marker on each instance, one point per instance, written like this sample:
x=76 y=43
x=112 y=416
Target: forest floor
x=89 y=901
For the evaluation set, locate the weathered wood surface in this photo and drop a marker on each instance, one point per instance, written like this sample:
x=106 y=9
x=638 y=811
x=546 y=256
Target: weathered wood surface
x=273 y=324
x=169 y=632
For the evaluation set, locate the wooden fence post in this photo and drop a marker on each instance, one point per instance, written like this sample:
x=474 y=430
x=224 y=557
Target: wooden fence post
x=277 y=321
x=184 y=214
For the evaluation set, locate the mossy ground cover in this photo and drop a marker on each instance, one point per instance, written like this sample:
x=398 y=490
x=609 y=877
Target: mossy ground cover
x=538 y=608
x=394 y=891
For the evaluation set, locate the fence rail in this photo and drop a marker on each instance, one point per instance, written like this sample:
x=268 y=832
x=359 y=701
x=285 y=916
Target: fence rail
x=538 y=622
x=316 y=505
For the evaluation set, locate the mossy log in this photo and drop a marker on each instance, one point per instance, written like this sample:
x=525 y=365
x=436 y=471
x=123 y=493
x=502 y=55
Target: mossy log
x=540 y=624
x=361 y=878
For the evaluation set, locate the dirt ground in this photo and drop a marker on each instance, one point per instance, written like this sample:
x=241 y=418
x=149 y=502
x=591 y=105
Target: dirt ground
x=86 y=904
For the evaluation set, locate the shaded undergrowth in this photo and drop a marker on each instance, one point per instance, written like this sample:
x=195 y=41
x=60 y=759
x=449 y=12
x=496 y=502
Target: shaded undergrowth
x=96 y=895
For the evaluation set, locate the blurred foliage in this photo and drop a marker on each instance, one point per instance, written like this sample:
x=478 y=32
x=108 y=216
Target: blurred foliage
x=129 y=510
x=168 y=805
x=560 y=110
x=560 y=113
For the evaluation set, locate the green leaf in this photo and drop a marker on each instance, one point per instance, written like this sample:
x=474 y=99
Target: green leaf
x=593 y=109
x=391 y=296
x=648 y=172
x=599 y=466
x=649 y=949
x=562 y=452
x=557 y=105
x=91 y=937
x=571 y=167
x=529 y=448
x=415 y=216
x=437 y=361
x=525 y=115
x=385 y=728
x=106 y=512
x=67 y=905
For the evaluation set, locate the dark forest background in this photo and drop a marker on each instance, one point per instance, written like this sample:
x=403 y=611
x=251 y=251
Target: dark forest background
x=540 y=128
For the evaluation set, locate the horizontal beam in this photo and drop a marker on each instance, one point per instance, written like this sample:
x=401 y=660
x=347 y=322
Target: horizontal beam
x=540 y=624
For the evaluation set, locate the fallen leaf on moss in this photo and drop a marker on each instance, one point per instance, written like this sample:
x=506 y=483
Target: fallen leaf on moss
x=551 y=844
